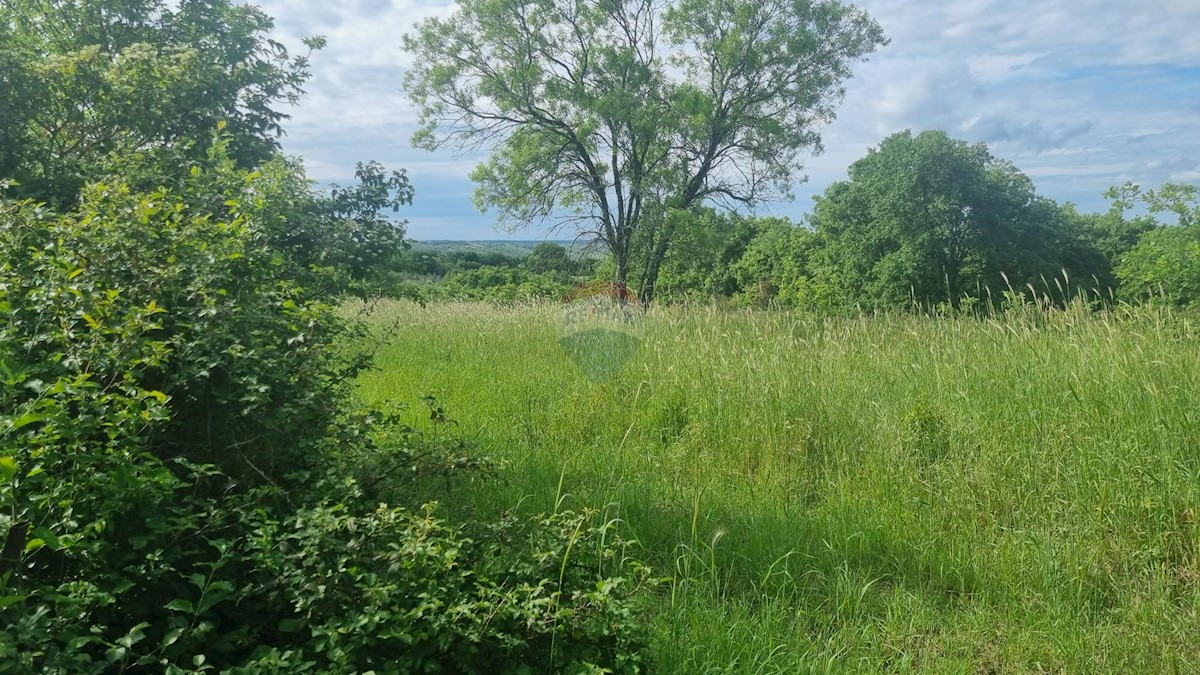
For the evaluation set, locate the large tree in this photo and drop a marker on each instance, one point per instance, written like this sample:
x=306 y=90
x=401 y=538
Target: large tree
x=930 y=218
x=87 y=79
x=608 y=115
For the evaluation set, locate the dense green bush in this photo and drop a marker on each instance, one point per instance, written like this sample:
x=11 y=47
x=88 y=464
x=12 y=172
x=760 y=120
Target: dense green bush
x=699 y=263
x=1163 y=259
x=331 y=244
x=402 y=592
x=777 y=268
x=1165 y=264
x=178 y=448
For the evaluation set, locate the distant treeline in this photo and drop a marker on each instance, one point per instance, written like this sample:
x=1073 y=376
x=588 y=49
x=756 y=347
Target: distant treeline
x=498 y=271
x=922 y=221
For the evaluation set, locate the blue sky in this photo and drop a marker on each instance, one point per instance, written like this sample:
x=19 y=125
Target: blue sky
x=1079 y=94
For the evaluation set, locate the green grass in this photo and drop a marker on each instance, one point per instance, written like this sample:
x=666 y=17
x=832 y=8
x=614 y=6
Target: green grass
x=895 y=494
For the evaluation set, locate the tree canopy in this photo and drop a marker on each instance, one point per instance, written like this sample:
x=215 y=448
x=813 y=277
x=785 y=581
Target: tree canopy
x=929 y=218
x=605 y=116
x=1161 y=258
x=549 y=257
x=86 y=79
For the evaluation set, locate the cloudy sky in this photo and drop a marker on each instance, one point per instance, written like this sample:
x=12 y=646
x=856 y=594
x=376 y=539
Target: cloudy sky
x=1080 y=94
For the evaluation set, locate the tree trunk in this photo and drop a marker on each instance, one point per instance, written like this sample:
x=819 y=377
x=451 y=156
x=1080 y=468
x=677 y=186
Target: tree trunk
x=621 y=261
x=653 y=265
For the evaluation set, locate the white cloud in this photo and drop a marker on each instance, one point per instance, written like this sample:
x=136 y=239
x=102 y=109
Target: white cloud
x=990 y=67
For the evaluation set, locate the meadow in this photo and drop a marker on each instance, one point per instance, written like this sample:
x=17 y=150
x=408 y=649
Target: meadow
x=896 y=493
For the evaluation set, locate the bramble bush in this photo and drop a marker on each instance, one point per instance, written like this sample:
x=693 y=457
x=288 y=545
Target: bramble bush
x=178 y=452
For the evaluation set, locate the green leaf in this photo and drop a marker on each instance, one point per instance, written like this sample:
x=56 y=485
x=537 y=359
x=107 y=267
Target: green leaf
x=29 y=418
x=181 y=605
x=172 y=637
x=7 y=600
x=115 y=654
x=8 y=468
x=211 y=599
x=50 y=538
x=135 y=635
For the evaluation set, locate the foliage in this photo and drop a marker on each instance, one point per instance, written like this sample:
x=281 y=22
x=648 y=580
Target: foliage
x=177 y=446
x=503 y=284
x=86 y=78
x=342 y=242
x=437 y=601
x=698 y=264
x=1165 y=264
x=1091 y=245
x=1180 y=200
x=549 y=257
x=609 y=115
x=927 y=218
x=142 y=340
x=1160 y=259
x=1113 y=232
x=422 y=261
x=547 y=271
x=778 y=267
x=332 y=244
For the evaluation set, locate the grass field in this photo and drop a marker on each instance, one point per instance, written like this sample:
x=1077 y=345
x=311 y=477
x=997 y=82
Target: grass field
x=897 y=494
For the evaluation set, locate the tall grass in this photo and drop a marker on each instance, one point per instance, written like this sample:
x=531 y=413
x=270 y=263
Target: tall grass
x=887 y=494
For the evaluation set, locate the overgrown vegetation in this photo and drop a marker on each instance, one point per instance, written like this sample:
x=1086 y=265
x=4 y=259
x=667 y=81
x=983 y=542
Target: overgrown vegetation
x=969 y=448
x=179 y=450
x=889 y=493
x=186 y=481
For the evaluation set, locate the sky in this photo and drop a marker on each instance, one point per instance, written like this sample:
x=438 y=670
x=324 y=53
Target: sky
x=1080 y=94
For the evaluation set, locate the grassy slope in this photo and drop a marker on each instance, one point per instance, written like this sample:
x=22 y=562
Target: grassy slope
x=893 y=494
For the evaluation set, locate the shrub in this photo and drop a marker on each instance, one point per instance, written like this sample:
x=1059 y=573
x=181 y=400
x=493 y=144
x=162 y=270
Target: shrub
x=177 y=445
x=162 y=377
x=1164 y=263
x=403 y=592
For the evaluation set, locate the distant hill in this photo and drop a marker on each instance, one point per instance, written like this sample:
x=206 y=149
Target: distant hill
x=508 y=247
